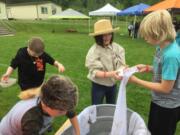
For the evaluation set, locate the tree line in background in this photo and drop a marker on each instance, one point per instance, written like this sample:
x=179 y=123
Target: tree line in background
x=89 y=5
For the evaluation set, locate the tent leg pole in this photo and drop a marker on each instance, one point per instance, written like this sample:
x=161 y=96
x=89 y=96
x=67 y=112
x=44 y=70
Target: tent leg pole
x=89 y=24
x=126 y=21
x=134 y=26
x=116 y=20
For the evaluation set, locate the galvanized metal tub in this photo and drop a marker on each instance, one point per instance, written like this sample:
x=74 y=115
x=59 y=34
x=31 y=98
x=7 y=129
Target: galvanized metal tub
x=103 y=123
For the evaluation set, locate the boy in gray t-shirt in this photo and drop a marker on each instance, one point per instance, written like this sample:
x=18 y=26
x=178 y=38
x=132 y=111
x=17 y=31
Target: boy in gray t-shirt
x=158 y=30
x=58 y=96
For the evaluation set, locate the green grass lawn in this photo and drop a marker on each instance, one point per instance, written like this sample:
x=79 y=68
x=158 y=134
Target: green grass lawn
x=70 y=49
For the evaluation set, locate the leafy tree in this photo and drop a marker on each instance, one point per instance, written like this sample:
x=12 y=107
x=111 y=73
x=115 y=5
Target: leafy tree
x=89 y=5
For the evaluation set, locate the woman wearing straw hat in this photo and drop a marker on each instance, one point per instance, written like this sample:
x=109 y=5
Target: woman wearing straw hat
x=104 y=60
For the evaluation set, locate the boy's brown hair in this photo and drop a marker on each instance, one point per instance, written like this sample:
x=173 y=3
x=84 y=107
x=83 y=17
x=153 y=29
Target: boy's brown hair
x=59 y=93
x=36 y=45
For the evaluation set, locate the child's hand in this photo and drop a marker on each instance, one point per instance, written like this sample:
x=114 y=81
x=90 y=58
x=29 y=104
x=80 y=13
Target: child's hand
x=142 y=68
x=5 y=78
x=61 y=68
x=115 y=74
x=122 y=70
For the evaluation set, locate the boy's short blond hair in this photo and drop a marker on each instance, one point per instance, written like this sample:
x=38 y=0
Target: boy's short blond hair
x=158 y=26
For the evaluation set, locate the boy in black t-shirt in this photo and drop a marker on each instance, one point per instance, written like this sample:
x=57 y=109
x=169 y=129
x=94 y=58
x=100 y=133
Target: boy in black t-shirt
x=31 y=63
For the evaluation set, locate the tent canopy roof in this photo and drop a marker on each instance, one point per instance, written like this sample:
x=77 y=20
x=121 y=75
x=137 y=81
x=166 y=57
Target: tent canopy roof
x=166 y=4
x=107 y=10
x=134 y=10
x=69 y=14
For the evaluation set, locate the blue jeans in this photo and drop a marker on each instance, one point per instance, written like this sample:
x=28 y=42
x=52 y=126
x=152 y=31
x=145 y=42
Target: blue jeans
x=98 y=93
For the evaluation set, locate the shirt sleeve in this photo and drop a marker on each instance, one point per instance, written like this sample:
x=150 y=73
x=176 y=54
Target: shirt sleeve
x=93 y=62
x=71 y=114
x=170 y=68
x=49 y=59
x=122 y=56
x=31 y=123
x=16 y=60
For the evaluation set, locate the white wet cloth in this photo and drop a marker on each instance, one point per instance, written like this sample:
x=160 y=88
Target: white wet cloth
x=137 y=125
x=85 y=118
x=119 y=126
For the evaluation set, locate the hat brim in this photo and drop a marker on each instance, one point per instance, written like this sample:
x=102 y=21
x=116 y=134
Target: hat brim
x=104 y=32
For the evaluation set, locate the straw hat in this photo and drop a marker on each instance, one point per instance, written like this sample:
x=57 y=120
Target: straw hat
x=103 y=26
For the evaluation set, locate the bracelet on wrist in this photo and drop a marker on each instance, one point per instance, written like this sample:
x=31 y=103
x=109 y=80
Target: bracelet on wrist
x=104 y=75
x=147 y=68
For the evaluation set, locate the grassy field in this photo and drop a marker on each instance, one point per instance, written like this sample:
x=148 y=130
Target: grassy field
x=70 y=49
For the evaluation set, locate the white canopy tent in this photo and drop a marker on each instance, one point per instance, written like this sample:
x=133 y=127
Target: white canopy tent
x=107 y=10
x=71 y=14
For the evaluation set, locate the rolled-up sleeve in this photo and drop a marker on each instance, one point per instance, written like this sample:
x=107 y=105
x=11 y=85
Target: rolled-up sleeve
x=93 y=62
x=121 y=58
